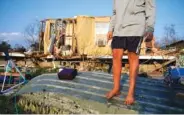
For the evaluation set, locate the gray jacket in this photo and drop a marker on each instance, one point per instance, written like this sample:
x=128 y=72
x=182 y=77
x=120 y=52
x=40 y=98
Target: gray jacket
x=132 y=17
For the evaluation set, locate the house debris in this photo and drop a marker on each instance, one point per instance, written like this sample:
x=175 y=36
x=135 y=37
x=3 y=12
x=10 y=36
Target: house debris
x=83 y=38
x=177 y=45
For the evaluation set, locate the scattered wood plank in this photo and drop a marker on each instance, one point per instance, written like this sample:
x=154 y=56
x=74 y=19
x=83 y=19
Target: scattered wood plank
x=10 y=74
x=164 y=64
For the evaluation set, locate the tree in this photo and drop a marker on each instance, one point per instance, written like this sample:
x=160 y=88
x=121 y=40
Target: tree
x=35 y=46
x=19 y=48
x=4 y=46
x=31 y=34
x=170 y=35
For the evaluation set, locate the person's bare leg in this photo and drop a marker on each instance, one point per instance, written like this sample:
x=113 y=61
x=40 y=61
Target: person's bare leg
x=134 y=66
x=117 y=66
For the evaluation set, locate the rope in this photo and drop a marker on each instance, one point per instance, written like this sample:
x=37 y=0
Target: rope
x=15 y=104
x=6 y=70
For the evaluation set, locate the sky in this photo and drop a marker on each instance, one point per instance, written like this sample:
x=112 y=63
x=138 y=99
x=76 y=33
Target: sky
x=15 y=15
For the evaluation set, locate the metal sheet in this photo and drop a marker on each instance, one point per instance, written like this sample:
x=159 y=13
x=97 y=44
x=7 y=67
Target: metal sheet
x=152 y=96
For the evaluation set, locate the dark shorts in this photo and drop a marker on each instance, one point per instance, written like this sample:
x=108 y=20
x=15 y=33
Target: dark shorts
x=132 y=44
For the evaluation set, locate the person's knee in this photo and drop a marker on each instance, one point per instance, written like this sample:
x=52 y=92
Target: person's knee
x=133 y=56
x=117 y=54
x=133 y=59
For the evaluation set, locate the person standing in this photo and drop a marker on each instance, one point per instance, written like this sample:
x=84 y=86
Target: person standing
x=132 y=20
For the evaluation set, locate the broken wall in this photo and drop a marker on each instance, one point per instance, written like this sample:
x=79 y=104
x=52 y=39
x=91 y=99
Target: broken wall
x=47 y=35
x=88 y=34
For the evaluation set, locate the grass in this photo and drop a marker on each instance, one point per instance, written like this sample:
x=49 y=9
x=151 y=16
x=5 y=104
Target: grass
x=6 y=105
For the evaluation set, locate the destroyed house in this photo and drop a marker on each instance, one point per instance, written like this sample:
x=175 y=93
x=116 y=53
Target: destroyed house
x=177 y=45
x=77 y=36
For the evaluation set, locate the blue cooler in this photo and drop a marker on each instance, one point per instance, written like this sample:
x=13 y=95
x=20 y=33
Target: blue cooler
x=174 y=75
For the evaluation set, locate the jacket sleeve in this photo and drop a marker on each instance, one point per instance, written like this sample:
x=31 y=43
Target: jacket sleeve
x=150 y=15
x=113 y=18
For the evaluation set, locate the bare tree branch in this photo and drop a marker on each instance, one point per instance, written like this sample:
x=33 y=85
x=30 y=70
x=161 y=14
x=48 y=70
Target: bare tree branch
x=170 y=35
x=31 y=33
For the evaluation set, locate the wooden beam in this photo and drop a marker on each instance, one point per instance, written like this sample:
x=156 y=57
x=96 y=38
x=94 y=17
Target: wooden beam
x=11 y=74
x=164 y=64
